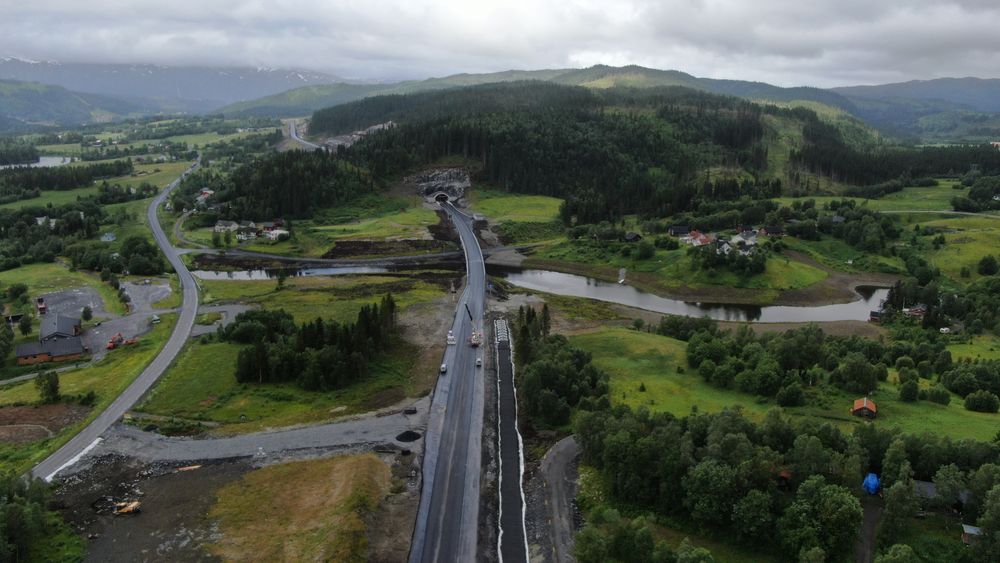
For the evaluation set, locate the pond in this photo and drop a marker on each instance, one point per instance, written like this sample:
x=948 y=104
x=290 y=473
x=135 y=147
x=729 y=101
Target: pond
x=869 y=298
x=266 y=274
x=43 y=161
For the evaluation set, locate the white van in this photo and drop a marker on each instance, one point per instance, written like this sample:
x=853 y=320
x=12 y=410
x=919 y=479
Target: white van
x=444 y=368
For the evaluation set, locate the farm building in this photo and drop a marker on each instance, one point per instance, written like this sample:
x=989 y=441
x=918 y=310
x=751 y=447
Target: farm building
x=864 y=407
x=678 y=230
x=223 y=226
x=970 y=534
x=62 y=350
x=58 y=327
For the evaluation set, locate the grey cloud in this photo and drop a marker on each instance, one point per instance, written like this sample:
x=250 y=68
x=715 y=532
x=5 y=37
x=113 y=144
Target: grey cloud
x=821 y=42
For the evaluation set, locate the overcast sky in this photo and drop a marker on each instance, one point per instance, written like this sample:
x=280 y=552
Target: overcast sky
x=795 y=42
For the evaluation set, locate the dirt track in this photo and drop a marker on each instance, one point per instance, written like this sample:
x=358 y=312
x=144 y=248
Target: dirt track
x=23 y=425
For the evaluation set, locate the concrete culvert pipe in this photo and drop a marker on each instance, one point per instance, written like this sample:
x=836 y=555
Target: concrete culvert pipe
x=408 y=436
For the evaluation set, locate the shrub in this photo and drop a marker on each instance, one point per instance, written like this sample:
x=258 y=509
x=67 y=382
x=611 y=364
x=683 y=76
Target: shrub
x=909 y=391
x=938 y=394
x=982 y=401
x=791 y=395
x=988 y=266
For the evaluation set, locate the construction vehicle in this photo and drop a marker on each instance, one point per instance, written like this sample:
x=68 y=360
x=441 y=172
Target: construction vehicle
x=130 y=341
x=479 y=362
x=116 y=341
x=127 y=507
x=451 y=338
x=444 y=368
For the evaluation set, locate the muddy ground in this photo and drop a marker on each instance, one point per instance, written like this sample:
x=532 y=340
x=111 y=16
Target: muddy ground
x=23 y=425
x=173 y=523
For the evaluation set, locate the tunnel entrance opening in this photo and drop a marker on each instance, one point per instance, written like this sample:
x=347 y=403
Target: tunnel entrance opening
x=408 y=436
x=441 y=198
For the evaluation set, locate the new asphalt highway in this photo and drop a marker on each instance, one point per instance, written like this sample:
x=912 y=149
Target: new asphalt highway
x=447 y=520
x=72 y=450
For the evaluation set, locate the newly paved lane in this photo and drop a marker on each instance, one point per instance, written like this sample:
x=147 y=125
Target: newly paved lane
x=513 y=538
x=447 y=519
x=82 y=442
x=294 y=134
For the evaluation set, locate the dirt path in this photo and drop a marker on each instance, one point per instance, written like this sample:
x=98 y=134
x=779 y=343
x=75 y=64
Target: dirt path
x=864 y=547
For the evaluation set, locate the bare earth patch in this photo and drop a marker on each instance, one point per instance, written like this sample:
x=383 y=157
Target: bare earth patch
x=22 y=425
x=301 y=511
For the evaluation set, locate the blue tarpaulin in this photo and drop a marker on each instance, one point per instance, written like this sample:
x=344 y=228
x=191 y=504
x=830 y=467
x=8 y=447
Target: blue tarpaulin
x=871 y=484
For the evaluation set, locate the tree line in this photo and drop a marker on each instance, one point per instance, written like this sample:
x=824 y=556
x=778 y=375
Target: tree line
x=317 y=355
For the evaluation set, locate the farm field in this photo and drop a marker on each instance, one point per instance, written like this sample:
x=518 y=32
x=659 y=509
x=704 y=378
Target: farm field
x=632 y=358
x=107 y=379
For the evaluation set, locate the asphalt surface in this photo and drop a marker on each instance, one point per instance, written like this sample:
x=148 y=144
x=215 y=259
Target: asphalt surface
x=72 y=450
x=513 y=537
x=448 y=516
x=295 y=135
x=559 y=475
x=371 y=429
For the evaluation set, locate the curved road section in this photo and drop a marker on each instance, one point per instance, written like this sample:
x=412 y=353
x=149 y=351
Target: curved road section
x=447 y=519
x=294 y=134
x=83 y=442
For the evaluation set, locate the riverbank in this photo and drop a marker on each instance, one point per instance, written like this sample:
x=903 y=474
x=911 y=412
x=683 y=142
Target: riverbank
x=837 y=287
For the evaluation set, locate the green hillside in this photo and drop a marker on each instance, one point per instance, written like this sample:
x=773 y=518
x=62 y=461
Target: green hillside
x=35 y=103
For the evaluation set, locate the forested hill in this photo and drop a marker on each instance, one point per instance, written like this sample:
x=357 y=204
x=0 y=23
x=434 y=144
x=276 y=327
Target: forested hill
x=615 y=151
x=310 y=98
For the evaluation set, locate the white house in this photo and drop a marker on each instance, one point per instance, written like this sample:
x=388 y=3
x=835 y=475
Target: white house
x=275 y=234
x=223 y=226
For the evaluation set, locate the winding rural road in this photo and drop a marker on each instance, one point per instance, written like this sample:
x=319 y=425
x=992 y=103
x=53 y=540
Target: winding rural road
x=87 y=438
x=448 y=516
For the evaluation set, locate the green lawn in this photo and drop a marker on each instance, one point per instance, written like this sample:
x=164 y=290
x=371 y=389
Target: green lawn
x=202 y=386
x=501 y=206
x=633 y=358
x=837 y=254
x=107 y=378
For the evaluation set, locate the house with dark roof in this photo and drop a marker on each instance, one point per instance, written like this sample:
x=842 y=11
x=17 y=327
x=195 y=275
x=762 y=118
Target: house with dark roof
x=631 y=237
x=61 y=350
x=864 y=407
x=678 y=230
x=57 y=327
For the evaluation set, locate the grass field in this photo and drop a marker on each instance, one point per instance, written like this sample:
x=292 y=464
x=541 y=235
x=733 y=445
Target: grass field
x=672 y=270
x=967 y=241
x=54 y=198
x=933 y=198
x=301 y=511
x=107 y=378
x=202 y=385
x=501 y=206
x=336 y=297
x=633 y=358
x=837 y=254
x=982 y=346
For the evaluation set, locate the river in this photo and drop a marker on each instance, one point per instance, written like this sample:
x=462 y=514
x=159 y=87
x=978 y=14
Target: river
x=43 y=161
x=869 y=298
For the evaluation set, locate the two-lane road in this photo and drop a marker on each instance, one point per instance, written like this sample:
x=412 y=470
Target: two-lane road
x=447 y=520
x=294 y=134
x=71 y=451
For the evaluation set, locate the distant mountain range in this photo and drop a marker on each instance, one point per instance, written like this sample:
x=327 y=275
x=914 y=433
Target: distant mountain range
x=946 y=109
x=190 y=89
